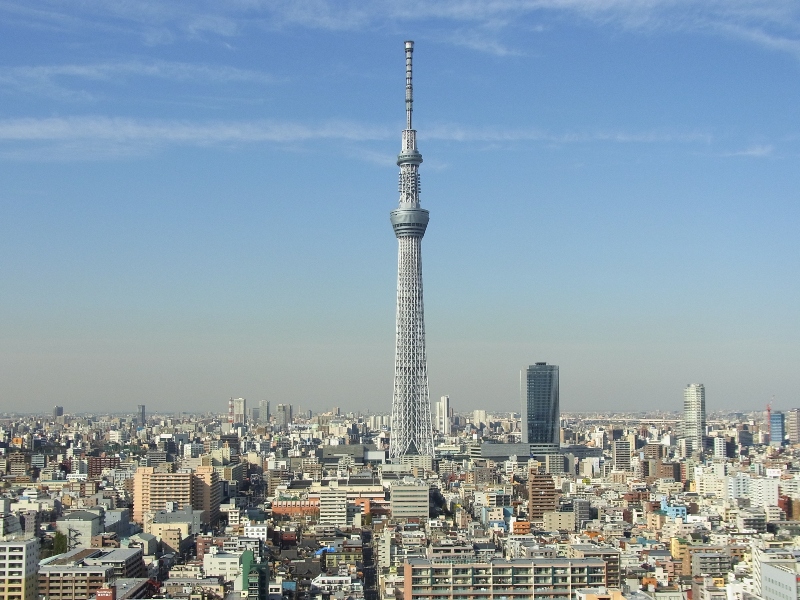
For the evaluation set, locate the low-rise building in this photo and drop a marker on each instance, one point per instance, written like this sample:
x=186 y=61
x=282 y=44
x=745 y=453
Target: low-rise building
x=496 y=579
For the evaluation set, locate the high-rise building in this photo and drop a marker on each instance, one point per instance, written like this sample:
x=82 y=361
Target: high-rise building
x=720 y=447
x=542 y=495
x=58 y=411
x=239 y=411
x=333 y=505
x=19 y=565
x=694 y=416
x=443 y=415
x=622 y=455
x=793 y=425
x=263 y=412
x=777 y=429
x=412 y=427
x=200 y=489
x=283 y=416
x=540 y=407
x=141 y=417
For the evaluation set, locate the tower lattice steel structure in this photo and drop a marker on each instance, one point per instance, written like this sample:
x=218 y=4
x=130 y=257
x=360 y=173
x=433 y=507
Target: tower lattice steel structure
x=412 y=427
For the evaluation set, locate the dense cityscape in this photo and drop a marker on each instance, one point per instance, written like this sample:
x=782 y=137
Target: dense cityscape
x=265 y=501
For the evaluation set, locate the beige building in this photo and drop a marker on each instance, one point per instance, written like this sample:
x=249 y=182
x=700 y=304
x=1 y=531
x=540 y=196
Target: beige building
x=409 y=499
x=199 y=489
x=559 y=521
x=19 y=565
x=610 y=556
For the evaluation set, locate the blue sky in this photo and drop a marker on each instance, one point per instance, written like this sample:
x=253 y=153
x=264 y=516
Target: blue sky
x=195 y=201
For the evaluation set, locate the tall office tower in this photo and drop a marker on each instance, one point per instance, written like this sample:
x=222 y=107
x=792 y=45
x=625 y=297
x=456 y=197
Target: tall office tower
x=283 y=416
x=777 y=429
x=443 y=415
x=412 y=427
x=793 y=425
x=263 y=412
x=622 y=455
x=694 y=417
x=58 y=411
x=239 y=410
x=140 y=414
x=540 y=408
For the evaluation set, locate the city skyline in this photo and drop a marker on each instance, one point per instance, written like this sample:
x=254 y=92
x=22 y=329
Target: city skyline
x=614 y=190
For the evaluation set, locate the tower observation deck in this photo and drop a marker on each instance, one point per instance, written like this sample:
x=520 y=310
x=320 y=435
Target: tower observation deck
x=412 y=426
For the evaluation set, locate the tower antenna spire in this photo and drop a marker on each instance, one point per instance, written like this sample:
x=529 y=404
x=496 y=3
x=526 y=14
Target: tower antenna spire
x=409 y=84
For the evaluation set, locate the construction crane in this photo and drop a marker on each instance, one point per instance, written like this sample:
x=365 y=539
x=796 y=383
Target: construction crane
x=769 y=417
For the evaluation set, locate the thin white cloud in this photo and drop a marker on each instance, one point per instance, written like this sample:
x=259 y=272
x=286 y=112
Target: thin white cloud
x=480 y=41
x=459 y=133
x=59 y=80
x=122 y=130
x=758 y=150
x=84 y=138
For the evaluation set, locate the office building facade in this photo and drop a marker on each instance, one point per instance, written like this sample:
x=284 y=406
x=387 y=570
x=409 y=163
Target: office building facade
x=283 y=416
x=793 y=425
x=263 y=412
x=239 y=411
x=540 y=406
x=621 y=451
x=777 y=429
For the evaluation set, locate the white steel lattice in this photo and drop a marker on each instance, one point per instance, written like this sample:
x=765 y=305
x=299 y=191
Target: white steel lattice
x=412 y=426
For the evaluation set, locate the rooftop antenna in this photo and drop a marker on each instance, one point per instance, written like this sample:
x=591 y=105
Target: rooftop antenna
x=409 y=85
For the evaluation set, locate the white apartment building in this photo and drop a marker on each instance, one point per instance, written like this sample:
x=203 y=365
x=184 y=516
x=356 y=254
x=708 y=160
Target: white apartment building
x=19 y=567
x=222 y=564
x=333 y=505
x=442 y=424
x=257 y=531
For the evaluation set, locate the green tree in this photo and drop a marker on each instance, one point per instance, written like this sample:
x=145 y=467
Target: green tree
x=60 y=544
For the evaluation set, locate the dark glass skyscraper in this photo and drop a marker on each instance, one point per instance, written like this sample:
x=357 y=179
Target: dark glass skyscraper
x=777 y=428
x=540 y=410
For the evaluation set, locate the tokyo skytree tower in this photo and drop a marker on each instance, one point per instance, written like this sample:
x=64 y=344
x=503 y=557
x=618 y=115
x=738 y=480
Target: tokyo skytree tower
x=412 y=426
